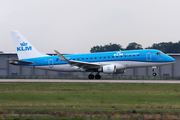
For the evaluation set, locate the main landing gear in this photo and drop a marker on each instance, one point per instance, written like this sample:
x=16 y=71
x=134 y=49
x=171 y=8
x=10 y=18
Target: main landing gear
x=91 y=76
x=97 y=76
x=153 y=69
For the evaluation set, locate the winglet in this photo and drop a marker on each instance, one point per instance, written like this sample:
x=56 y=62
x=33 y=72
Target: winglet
x=61 y=57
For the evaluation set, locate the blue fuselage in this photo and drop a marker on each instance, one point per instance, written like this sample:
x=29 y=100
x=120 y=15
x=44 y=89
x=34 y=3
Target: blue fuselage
x=147 y=55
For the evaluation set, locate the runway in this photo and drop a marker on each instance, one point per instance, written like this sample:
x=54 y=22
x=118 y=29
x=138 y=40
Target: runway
x=81 y=108
x=87 y=81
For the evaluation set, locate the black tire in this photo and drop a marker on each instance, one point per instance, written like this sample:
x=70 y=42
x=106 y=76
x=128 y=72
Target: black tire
x=154 y=74
x=97 y=77
x=91 y=76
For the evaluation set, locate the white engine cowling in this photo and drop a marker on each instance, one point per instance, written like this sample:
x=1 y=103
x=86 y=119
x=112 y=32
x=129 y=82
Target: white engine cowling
x=120 y=71
x=109 y=69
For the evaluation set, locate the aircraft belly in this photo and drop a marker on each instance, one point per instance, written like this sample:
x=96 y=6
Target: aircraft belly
x=60 y=68
x=149 y=64
x=133 y=64
x=119 y=64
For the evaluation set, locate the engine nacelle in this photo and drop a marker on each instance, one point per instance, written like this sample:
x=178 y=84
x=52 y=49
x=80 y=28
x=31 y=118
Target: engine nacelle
x=120 y=71
x=109 y=69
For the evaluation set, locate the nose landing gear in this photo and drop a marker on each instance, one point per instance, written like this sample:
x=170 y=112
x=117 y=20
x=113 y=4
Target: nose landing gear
x=154 y=74
x=153 y=69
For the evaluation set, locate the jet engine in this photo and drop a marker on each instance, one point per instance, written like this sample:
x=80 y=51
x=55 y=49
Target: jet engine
x=109 y=69
x=112 y=69
x=120 y=71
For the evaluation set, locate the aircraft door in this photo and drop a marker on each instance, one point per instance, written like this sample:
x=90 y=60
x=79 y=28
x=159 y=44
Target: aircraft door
x=148 y=56
x=50 y=62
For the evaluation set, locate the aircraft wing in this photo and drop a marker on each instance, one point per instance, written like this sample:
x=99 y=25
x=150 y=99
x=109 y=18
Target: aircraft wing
x=78 y=63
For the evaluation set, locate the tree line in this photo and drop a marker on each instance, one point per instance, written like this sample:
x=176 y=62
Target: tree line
x=166 y=47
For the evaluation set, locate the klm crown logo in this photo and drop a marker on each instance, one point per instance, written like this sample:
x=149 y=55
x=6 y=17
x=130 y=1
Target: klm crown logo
x=23 y=44
x=108 y=68
x=24 y=47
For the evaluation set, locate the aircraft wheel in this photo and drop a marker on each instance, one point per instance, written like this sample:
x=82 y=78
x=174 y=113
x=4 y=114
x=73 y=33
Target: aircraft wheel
x=154 y=74
x=91 y=76
x=97 y=76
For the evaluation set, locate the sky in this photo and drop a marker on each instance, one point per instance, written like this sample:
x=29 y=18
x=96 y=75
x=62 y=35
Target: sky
x=74 y=26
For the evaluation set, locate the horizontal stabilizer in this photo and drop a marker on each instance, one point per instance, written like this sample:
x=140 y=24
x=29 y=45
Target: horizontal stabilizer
x=15 y=62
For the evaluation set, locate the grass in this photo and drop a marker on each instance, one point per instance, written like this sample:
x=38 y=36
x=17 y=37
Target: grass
x=91 y=95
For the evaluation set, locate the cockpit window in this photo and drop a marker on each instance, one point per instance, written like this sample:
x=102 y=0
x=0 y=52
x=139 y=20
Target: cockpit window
x=160 y=53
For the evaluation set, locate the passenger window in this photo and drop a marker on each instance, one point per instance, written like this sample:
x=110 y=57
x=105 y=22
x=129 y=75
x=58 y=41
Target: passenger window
x=117 y=56
x=134 y=55
x=91 y=58
x=100 y=57
x=78 y=58
x=121 y=55
x=82 y=58
x=125 y=55
x=112 y=56
x=129 y=55
x=108 y=57
x=138 y=55
x=104 y=57
x=73 y=59
x=95 y=58
x=86 y=58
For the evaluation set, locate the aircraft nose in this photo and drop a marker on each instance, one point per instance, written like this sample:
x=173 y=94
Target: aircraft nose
x=170 y=59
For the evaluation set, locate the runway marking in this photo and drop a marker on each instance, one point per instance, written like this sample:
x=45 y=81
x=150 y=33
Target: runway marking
x=87 y=81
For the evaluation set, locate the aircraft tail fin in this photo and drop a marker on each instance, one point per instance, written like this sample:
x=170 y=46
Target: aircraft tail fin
x=23 y=46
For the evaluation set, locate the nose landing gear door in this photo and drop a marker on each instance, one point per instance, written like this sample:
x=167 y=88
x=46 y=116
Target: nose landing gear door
x=148 y=56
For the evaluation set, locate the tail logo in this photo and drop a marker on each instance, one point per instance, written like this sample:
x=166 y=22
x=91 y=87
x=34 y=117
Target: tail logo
x=23 y=44
x=24 y=47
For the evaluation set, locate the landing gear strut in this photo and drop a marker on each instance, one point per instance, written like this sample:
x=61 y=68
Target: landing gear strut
x=153 y=69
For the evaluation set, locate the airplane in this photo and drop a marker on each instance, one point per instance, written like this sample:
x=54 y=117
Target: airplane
x=115 y=62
